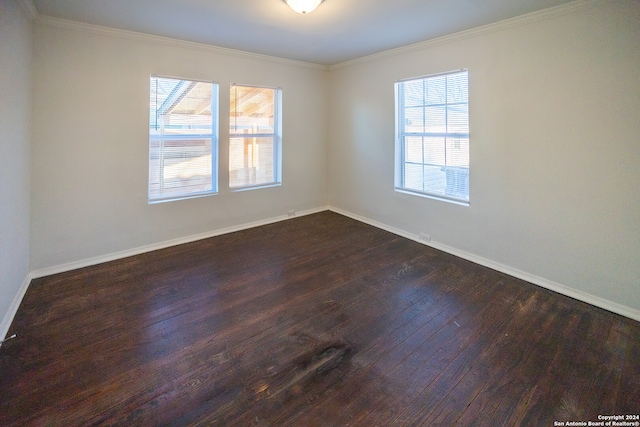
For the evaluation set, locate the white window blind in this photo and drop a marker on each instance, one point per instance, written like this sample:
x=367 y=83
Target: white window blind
x=182 y=138
x=432 y=126
x=255 y=137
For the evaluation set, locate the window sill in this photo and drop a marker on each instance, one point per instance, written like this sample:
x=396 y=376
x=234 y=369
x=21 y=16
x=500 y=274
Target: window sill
x=432 y=196
x=255 y=187
x=185 y=197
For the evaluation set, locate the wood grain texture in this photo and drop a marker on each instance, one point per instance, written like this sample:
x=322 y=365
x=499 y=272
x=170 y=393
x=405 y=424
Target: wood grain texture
x=316 y=321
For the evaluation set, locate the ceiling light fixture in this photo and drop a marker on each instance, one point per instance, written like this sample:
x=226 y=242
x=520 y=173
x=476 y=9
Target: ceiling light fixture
x=303 y=6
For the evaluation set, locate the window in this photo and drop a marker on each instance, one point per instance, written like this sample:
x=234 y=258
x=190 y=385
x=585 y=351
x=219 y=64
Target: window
x=183 y=139
x=432 y=127
x=255 y=137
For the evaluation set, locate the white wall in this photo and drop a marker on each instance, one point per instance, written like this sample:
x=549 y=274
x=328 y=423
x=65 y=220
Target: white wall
x=90 y=142
x=15 y=108
x=555 y=149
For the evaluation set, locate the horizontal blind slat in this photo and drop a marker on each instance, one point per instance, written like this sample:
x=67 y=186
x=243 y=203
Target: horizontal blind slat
x=181 y=138
x=434 y=133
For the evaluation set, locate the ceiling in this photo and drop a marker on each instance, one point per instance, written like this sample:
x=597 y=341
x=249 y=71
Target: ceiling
x=338 y=31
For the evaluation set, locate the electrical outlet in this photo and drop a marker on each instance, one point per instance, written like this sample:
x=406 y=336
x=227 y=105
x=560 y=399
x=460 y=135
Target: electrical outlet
x=291 y=214
x=424 y=237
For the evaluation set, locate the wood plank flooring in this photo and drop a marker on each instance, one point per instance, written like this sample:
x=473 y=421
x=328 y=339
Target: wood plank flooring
x=315 y=321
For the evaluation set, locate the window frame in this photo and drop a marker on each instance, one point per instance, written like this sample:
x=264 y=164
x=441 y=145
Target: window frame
x=213 y=136
x=402 y=135
x=276 y=135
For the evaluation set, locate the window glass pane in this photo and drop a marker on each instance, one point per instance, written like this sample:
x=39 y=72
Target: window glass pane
x=181 y=138
x=414 y=119
x=190 y=112
x=254 y=143
x=457 y=88
x=433 y=127
x=414 y=93
x=252 y=110
x=436 y=90
x=413 y=176
x=434 y=151
x=435 y=180
x=458 y=152
x=457 y=182
x=187 y=167
x=458 y=118
x=413 y=150
x=436 y=119
x=251 y=161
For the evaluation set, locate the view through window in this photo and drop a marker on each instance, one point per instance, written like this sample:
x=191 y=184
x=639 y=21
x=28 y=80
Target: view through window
x=433 y=136
x=254 y=144
x=182 y=138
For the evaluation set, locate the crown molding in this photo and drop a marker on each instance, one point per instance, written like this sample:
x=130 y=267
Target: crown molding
x=518 y=21
x=167 y=41
x=29 y=9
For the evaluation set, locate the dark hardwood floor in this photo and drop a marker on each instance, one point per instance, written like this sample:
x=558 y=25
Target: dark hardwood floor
x=316 y=321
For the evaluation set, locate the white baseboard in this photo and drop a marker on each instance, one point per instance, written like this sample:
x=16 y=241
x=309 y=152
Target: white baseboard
x=553 y=286
x=166 y=244
x=15 y=304
x=614 y=307
x=13 y=308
